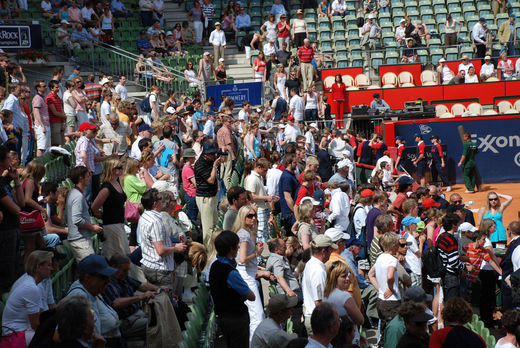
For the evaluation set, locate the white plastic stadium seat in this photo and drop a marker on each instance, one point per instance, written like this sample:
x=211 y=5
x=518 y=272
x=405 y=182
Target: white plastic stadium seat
x=389 y=80
x=490 y=112
x=405 y=79
x=441 y=109
x=458 y=109
x=516 y=105
x=447 y=115
x=329 y=81
x=474 y=109
x=428 y=78
x=362 y=80
x=348 y=80
x=503 y=106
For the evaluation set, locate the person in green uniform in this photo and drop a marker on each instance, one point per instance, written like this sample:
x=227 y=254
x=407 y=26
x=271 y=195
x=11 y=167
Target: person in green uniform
x=469 y=171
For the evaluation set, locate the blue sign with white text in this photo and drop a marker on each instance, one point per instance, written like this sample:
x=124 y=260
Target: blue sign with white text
x=498 y=142
x=239 y=92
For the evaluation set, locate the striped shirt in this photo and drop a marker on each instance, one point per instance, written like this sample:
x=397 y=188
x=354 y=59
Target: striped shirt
x=449 y=252
x=476 y=256
x=93 y=91
x=84 y=144
x=305 y=54
x=151 y=229
x=208 y=11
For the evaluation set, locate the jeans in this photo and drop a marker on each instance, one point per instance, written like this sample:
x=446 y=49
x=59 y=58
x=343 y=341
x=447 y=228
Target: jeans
x=146 y=18
x=451 y=286
x=311 y=115
x=191 y=207
x=509 y=48
x=51 y=240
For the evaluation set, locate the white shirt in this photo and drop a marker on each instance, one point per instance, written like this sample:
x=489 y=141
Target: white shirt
x=471 y=79
x=336 y=147
x=485 y=265
x=309 y=139
x=217 y=38
x=384 y=158
x=515 y=257
x=465 y=67
x=383 y=262
x=291 y=132
x=411 y=258
x=86 y=13
x=296 y=105
x=122 y=91
x=360 y=218
x=273 y=179
x=209 y=129
x=340 y=209
x=151 y=229
x=446 y=73
x=337 y=6
x=399 y=32
x=269 y=49
x=313 y=284
x=243 y=116
x=478 y=33
x=105 y=112
x=489 y=69
x=255 y=184
x=46 y=293
x=134 y=151
x=46 y=6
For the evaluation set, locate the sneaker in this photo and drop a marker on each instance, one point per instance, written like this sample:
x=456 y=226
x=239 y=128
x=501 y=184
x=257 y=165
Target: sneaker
x=468 y=191
x=448 y=189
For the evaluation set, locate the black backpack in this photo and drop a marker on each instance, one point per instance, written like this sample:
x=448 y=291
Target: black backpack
x=432 y=262
x=145 y=104
x=351 y=229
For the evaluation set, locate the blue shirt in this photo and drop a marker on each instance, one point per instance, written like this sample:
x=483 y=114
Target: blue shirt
x=289 y=183
x=243 y=21
x=80 y=36
x=143 y=44
x=19 y=121
x=117 y=5
x=71 y=76
x=278 y=9
x=351 y=261
x=235 y=280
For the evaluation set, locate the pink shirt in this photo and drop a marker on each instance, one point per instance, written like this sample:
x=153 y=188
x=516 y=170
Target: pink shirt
x=39 y=103
x=187 y=174
x=75 y=14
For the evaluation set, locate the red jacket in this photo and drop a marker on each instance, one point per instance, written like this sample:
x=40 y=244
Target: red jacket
x=338 y=92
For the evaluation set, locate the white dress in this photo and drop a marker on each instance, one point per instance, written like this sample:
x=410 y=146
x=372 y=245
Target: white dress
x=191 y=76
x=280 y=83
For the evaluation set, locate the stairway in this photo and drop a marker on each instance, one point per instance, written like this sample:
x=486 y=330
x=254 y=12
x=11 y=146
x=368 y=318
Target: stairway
x=237 y=66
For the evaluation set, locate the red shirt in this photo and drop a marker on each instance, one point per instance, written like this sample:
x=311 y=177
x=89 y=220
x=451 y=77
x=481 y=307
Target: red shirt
x=360 y=149
x=400 y=150
x=304 y=192
x=338 y=91
x=352 y=141
x=306 y=54
x=421 y=147
x=283 y=32
x=58 y=104
x=27 y=111
x=376 y=146
x=439 y=150
x=397 y=203
x=476 y=256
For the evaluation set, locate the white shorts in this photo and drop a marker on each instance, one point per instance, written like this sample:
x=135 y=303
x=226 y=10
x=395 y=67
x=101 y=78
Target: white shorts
x=43 y=140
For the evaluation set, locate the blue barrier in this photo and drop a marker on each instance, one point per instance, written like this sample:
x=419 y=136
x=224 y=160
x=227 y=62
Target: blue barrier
x=239 y=92
x=497 y=139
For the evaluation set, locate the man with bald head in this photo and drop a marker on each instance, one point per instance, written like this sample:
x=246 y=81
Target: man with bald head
x=510 y=263
x=435 y=194
x=456 y=199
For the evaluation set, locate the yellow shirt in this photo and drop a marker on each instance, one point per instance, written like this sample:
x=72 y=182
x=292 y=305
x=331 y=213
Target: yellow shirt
x=353 y=289
x=124 y=118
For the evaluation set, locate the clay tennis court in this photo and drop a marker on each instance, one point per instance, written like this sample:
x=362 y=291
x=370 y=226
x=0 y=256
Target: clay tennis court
x=480 y=198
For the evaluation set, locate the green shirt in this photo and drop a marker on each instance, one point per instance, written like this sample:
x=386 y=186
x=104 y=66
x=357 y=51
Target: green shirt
x=375 y=250
x=133 y=188
x=470 y=150
x=394 y=331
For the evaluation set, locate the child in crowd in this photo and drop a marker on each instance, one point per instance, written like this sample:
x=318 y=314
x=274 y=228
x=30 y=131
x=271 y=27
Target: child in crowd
x=477 y=254
x=384 y=224
x=415 y=242
x=388 y=180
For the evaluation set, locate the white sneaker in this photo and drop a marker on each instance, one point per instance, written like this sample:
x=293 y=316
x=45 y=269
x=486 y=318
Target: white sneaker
x=448 y=189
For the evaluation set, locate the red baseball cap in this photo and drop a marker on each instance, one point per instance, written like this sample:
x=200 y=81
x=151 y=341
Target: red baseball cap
x=86 y=125
x=290 y=117
x=430 y=203
x=367 y=193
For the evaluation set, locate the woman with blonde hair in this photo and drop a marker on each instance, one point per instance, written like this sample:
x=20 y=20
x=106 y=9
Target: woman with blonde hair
x=148 y=170
x=306 y=230
x=336 y=292
x=252 y=145
x=212 y=255
x=111 y=198
x=494 y=210
x=245 y=227
x=31 y=178
x=134 y=189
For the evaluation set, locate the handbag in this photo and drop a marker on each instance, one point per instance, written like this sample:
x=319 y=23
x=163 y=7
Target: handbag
x=131 y=211
x=31 y=222
x=16 y=339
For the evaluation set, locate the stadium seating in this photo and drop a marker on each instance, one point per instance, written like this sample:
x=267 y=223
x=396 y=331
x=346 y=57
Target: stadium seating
x=504 y=106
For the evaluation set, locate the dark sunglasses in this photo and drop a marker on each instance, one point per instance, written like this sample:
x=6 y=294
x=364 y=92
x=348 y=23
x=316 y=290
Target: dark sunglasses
x=119 y=167
x=493 y=199
x=457 y=202
x=402 y=245
x=250 y=216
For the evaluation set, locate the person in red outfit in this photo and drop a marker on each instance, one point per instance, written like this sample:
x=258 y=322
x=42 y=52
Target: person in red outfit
x=339 y=96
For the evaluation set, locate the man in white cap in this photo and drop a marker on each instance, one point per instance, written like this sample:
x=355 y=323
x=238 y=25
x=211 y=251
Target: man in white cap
x=218 y=40
x=206 y=69
x=339 y=205
x=444 y=71
x=399 y=32
x=314 y=276
x=479 y=34
x=370 y=32
x=63 y=38
x=309 y=138
x=488 y=70
x=465 y=64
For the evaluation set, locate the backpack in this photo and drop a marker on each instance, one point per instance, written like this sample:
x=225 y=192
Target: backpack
x=145 y=104
x=351 y=229
x=432 y=262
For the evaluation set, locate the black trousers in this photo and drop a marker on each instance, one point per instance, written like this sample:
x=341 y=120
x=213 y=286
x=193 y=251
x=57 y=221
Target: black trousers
x=487 y=299
x=451 y=286
x=235 y=329
x=481 y=50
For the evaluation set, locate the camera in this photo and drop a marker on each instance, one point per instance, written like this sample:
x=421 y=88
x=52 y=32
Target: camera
x=221 y=153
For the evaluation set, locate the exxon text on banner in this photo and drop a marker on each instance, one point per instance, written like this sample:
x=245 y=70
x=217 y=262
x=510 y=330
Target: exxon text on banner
x=239 y=92
x=497 y=139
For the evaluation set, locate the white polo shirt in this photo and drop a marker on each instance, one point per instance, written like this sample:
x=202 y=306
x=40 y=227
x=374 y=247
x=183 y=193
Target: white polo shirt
x=313 y=284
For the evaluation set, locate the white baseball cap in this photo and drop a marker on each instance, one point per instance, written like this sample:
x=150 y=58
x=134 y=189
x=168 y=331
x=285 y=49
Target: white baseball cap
x=170 y=110
x=487 y=57
x=370 y=16
x=206 y=53
x=310 y=199
x=466 y=226
x=442 y=60
x=346 y=152
x=335 y=234
x=220 y=60
x=102 y=82
x=314 y=125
